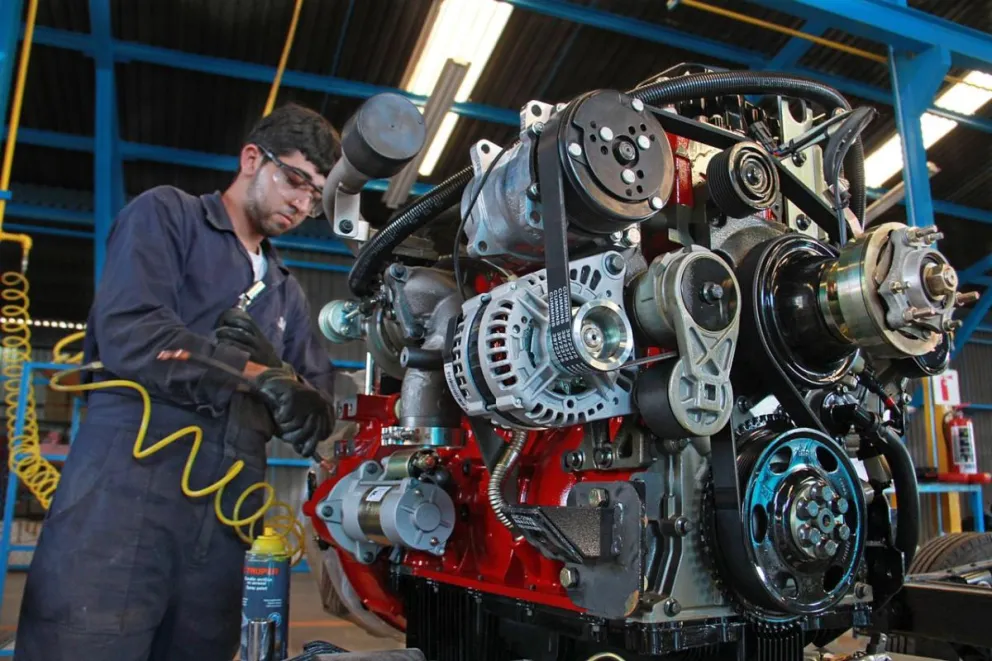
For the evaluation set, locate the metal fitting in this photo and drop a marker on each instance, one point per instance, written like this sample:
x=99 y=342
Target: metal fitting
x=326 y=511
x=614 y=264
x=537 y=128
x=606 y=133
x=657 y=203
x=631 y=237
x=672 y=607
x=568 y=577
x=575 y=149
x=574 y=459
x=643 y=142
x=628 y=176
x=599 y=497
x=637 y=105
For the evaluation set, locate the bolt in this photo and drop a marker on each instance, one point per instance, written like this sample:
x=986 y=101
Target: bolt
x=537 y=127
x=519 y=403
x=743 y=405
x=346 y=226
x=368 y=556
x=657 y=203
x=964 y=298
x=632 y=237
x=843 y=532
x=534 y=191
x=628 y=176
x=683 y=526
x=560 y=106
x=599 y=497
x=643 y=142
x=862 y=591
x=575 y=459
x=808 y=509
x=603 y=457
x=711 y=292
x=326 y=511
x=606 y=133
x=828 y=493
x=616 y=237
x=809 y=536
x=569 y=577
x=799 y=158
x=897 y=286
x=803 y=222
x=637 y=105
x=829 y=548
x=940 y=280
x=952 y=324
x=574 y=149
x=398 y=271
x=485 y=298
x=614 y=264
x=841 y=506
x=672 y=607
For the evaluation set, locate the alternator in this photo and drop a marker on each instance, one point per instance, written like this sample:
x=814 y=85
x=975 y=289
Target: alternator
x=501 y=365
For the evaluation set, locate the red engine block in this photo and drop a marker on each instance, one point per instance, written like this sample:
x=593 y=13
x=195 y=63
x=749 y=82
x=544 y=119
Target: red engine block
x=481 y=553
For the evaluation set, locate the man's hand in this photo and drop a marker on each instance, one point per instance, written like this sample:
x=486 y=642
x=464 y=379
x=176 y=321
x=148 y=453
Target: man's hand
x=236 y=327
x=303 y=417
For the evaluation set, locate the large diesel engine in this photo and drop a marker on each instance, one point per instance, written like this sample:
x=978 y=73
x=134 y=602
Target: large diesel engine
x=646 y=398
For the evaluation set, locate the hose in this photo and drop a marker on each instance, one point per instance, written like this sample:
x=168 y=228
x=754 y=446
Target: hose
x=505 y=464
x=413 y=217
x=284 y=522
x=907 y=491
x=684 y=88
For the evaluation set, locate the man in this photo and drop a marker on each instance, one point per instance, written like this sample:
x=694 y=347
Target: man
x=127 y=567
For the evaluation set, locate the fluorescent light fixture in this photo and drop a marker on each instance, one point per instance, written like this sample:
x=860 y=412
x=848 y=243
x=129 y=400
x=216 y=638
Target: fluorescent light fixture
x=465 y=31
x=962 y=98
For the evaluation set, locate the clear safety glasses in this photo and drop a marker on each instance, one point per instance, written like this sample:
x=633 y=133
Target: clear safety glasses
x=296 y=183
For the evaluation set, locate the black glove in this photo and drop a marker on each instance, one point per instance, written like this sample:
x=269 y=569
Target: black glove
x=236 y=327
x=303 y=417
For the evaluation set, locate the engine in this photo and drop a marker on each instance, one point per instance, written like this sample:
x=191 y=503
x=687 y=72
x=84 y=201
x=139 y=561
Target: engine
x=648 y=401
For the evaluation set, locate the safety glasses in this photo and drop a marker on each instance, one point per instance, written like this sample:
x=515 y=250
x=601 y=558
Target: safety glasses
x=296 y=182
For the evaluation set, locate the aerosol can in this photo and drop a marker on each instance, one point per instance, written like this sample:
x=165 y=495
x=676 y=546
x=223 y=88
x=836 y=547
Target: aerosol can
x=265 y=600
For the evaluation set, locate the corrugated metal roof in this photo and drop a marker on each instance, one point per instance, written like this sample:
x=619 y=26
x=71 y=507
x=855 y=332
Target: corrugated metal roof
x=372 y=41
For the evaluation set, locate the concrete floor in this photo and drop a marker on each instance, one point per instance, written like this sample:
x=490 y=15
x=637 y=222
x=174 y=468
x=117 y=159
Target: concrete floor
x=310 y=622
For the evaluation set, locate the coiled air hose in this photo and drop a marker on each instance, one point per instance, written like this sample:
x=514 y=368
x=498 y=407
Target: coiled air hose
x=284 y=522
x=421 y=211
x=684 y=88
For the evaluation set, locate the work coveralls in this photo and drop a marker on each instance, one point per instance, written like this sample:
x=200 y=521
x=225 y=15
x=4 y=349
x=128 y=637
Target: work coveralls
x=128 y=568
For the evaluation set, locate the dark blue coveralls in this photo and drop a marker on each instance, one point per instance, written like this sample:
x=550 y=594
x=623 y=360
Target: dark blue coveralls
x=127 y=567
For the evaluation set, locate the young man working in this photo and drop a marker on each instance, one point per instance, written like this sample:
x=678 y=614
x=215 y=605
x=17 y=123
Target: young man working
x=128 y=568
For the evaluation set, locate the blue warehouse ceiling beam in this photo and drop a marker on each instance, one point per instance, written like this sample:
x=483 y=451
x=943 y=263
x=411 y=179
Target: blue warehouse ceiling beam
x=944 y=207
x=752 y=59
x=795 y=48
x=124 y=51
x=891 y=23
x=10 y=22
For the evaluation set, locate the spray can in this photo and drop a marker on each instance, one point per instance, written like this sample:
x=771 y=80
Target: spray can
x=265 y=599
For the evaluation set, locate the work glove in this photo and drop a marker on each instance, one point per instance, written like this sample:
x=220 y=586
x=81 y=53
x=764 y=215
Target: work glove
x=302 y=416
x=237 y=328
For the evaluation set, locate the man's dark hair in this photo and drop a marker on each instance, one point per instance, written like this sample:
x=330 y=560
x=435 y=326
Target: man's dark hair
x=292 y=128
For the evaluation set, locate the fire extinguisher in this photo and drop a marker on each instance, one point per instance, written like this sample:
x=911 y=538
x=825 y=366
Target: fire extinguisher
x=959 y=433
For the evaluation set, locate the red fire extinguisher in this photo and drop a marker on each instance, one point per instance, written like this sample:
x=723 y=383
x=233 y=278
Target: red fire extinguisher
x=959 y=433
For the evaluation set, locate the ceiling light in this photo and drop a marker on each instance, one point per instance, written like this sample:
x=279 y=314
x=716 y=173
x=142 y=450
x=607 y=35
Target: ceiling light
x=964 y=98
x=465 y=31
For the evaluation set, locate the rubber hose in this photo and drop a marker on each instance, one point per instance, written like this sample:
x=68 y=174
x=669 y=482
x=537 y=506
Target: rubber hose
x=907 y=491
x=505 y=464
x=379 y=250
x=684 y=88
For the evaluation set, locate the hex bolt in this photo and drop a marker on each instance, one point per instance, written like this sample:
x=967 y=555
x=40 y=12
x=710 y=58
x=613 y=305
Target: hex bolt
x=808 y=509
x=534 y=191
x=575 y=149
x=326 y=511
x=637 y=105
x=537 y=128
x=614 y=264
x=964 y=298
x=656 y=203
x=599 y=497
x=368 y=556
x=803 y=222
x=398 y=271
x=672 y=607
x=828 y=493
x=843 y=532
x=799 y=158
x=628 y=176
x=841 y=506
x=568 y=577
x=643 y=142
x=606 y=133
x=632 y=237
x=435 y=541
x=711 y=292
x=830 y=548
x=574 y=459
x=940 y=279
x=683 y=526
x=603 y=457
x=862 y=591
x=952 y=324
x=814 y=537
x=616 y=237
x=346 y=226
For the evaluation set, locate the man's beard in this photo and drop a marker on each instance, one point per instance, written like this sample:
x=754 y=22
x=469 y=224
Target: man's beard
x=263 y=219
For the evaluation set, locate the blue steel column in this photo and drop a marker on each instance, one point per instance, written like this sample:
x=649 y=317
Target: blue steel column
x=915 y=80
x=10 y=496
x=108 y=178
x=10 y=30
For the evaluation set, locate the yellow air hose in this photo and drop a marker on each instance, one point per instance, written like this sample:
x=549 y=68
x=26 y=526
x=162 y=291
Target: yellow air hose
x=279 y=515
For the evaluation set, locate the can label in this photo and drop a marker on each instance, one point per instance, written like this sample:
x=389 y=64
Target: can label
x=265 y=598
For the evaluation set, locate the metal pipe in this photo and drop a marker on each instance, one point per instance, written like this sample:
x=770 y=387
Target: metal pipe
x=505 y=464
x=274 y=91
